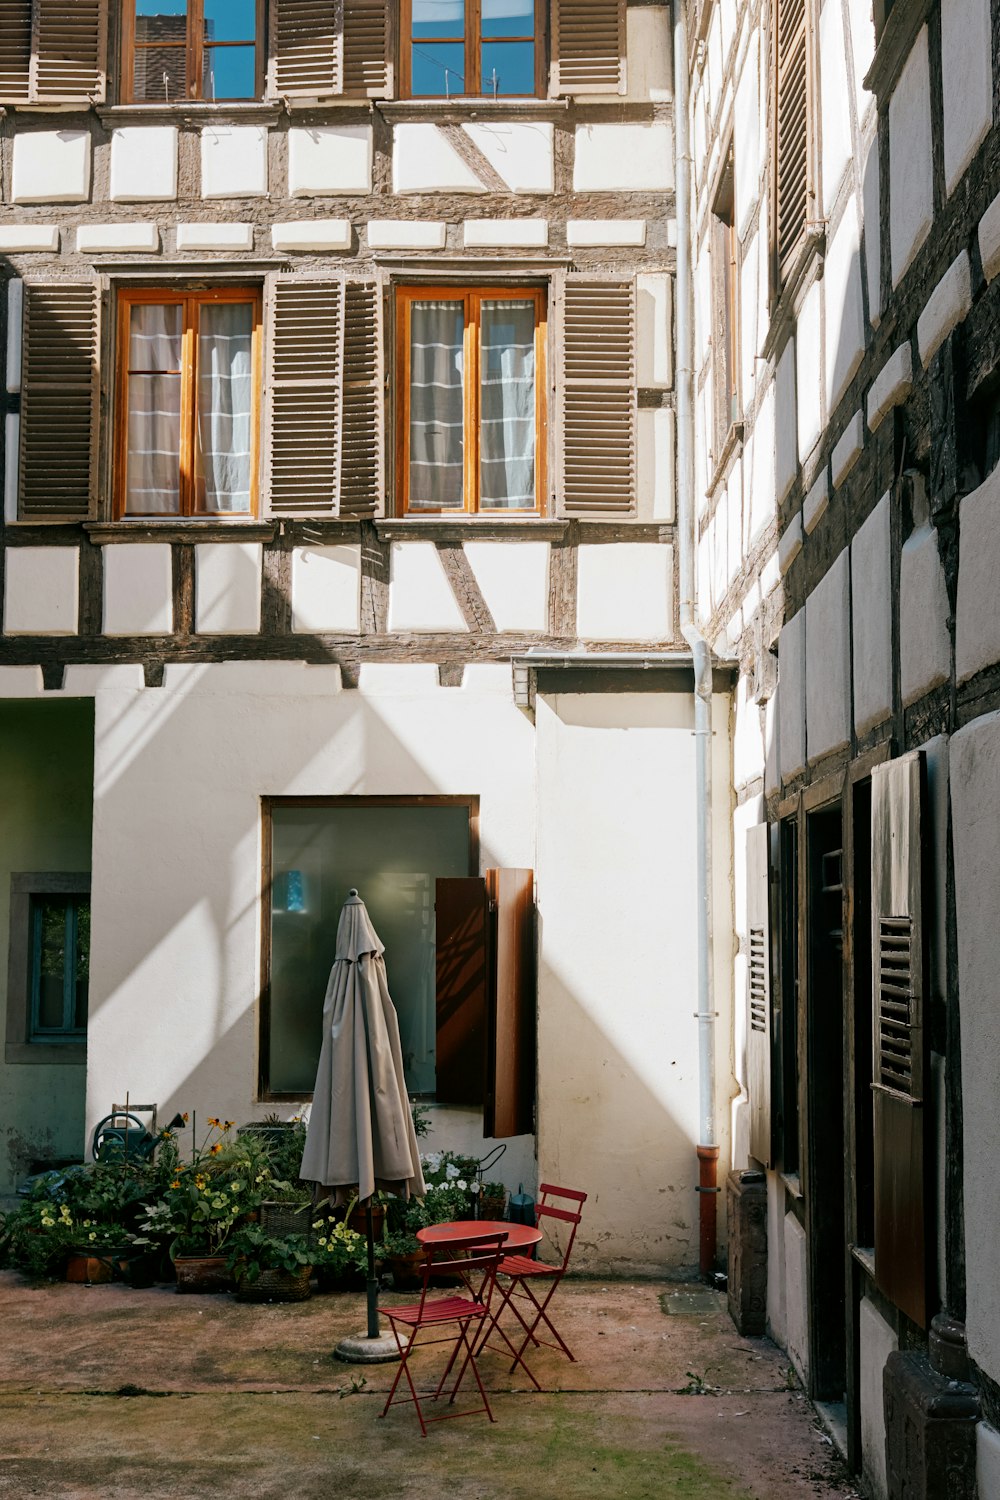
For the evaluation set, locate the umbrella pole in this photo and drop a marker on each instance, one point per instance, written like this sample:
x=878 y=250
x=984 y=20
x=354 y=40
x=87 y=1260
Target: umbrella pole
x=373 y=1328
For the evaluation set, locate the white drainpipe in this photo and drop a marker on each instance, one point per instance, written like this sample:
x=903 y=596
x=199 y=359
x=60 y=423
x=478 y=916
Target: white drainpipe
x=708 y=1150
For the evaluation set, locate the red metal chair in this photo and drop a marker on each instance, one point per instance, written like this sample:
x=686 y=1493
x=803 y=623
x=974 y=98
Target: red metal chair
x=478 y=1253
x=523 y=1272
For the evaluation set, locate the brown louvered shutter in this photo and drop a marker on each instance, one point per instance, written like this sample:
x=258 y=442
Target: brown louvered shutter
x=899 y=967
x=305 y=339
x=509 y=1105
x=361 y=450
x=15 y=51
x=597 y=429
x=59 y=402
x=368 y=68
x=70 y=51
x=792 y=108
x=307 y=49
x=588 y=47
x=759 y=994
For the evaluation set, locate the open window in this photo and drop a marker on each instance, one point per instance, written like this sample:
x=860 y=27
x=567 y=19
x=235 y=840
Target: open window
x=471 y=377
x=187 y=411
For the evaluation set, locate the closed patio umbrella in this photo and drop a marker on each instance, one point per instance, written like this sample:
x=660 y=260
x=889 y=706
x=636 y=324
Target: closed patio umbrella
x=360 y=1131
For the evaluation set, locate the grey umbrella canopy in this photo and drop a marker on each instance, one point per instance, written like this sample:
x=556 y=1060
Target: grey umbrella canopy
x=360 y=1129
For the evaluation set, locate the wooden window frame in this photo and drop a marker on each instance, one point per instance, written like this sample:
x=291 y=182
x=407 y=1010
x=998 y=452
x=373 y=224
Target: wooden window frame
x=21 y=1046
x=194 y=51
x=472 y=299
x=265 y=1094
x=472 y=42
x=190 y=300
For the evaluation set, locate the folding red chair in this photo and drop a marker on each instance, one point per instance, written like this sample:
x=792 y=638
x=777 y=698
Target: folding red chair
x=523 y=1272
x=478 y=1253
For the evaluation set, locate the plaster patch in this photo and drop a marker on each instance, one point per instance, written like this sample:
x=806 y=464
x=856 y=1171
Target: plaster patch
x=947 y=305
x=586 y=234
x=891 y=385
x=20 y=237
x=808 y=356
x=790 y=543
x=401 y=234
x=425 y=161
x=521 y=153
x=138 y=589
x=786 y=449
x=796 y=1306
x=815 y=504
x=51 y=166
x=207 y=236
x=987 y=1459
x=845 y=321
x=625 y=592
x=911 y=178
x=41 y=591
x=505 y=234
x=654 y=463
x=967 y=83
x=93 y=239
x=828 y=681
x=877 y=1341
x=144 y=163
x=847 y=450
x=326 y=590
x=924 y=645
x=653 y=342
x=391 y=679
x=989 y=239
x=324 y=159
x=871 y=621
x=791 y=695
x=835 y=102
x=977 y=627
x=746 y=137
x=312 y=234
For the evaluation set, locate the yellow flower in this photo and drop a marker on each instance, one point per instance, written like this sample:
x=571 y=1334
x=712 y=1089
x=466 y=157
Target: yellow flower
x=49 y=1223
x=213 y=1121
x=318 y=1224
x=201 y=1182
x=228 y=1125
x=176 y=1183
x=216 y=1148
x=92 y=1236
x=322 y=1239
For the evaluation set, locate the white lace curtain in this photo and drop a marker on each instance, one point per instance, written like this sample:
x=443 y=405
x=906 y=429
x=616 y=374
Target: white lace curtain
x=437 y=422
x=224 y=400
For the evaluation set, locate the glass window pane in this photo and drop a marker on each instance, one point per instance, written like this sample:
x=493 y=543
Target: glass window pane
x=154 y=336
x=229 y=73
x=508 y=18
x=50 y=957
x=508 y=68
x=160 y=72
x=437 y=405
x=222 y=462
x=392 y=855
x=230 y=20
x=507 y=400
x=154 y=445
x=438 y=69
x=438 y=18
x=82 y=975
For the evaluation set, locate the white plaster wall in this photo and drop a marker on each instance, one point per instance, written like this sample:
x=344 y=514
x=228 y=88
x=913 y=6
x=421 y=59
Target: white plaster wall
x=649 y=73
x=870 y=194
x=967 y=80
x=987 y=1461
x=791 y=694
x=975 y=802
x=977 y=629
x=835 y=101
x=514 y=580
x=871 y=619
x=653 y=342
x=623 y=158
x=425 y=161
x=179 y=773
x=877 y=1342
x=796 y=1291
x=828 y=673
x=786 y=447
x=41 y=591
x=845 y=323
x=617 y=1102
x=654 y=463
x=625 y=592
x=808 y=361
x=911 y=201
x=924 y=642
x=144 y=163
x=227 y=587
x=326 y=589
x=420 y=595
x=234 y=161
x=762 y=506
x=138 y=589
x=747 y=134
x=521 y=153
x=51 y=166
x=324 y=159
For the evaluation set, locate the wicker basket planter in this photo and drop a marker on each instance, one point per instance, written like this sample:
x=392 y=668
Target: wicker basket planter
x=275 y=1286
x=203 y=1273
x=493 y=1208
x=284 y=1218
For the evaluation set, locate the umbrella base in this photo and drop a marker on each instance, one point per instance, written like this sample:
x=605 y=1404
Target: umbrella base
x=359 y=1349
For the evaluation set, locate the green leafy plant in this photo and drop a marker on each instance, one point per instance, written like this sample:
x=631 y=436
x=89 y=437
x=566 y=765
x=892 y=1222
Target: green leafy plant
x=401 y=1242
x=252 y=1250
x=335 y=1248
x=206 y=1197
x=421 y=1118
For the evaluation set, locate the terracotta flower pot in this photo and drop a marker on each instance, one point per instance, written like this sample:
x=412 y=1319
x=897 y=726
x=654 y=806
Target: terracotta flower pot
x=92 y=1267
x=202 y=1273
x=406 y=1269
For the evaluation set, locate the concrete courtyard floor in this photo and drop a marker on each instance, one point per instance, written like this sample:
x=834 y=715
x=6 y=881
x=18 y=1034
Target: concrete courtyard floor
x=108 y=1394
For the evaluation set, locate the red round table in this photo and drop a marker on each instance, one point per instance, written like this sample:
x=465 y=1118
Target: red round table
x=519 y=1236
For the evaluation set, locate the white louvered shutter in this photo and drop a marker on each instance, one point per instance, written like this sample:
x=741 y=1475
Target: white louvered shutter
x=307 y=49
x=598 y=397
x=792 y=106
x=368 y=70
x=59 y=402
x=306 y=342
x=588 y=47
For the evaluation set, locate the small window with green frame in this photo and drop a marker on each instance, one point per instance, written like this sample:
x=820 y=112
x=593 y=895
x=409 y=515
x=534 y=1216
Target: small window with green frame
x=59 y=966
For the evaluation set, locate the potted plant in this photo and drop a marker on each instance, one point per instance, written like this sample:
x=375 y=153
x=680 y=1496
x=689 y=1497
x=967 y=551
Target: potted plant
x=270 y=1267
x=340 y=1255
x=404 y=1256
x=202 y=1203
x=492 y=1200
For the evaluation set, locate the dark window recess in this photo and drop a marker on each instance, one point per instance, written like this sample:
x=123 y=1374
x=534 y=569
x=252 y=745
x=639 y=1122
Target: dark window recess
x=788 y=1030
x=864 y=1146
x=59 y=973
x=486 y=998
